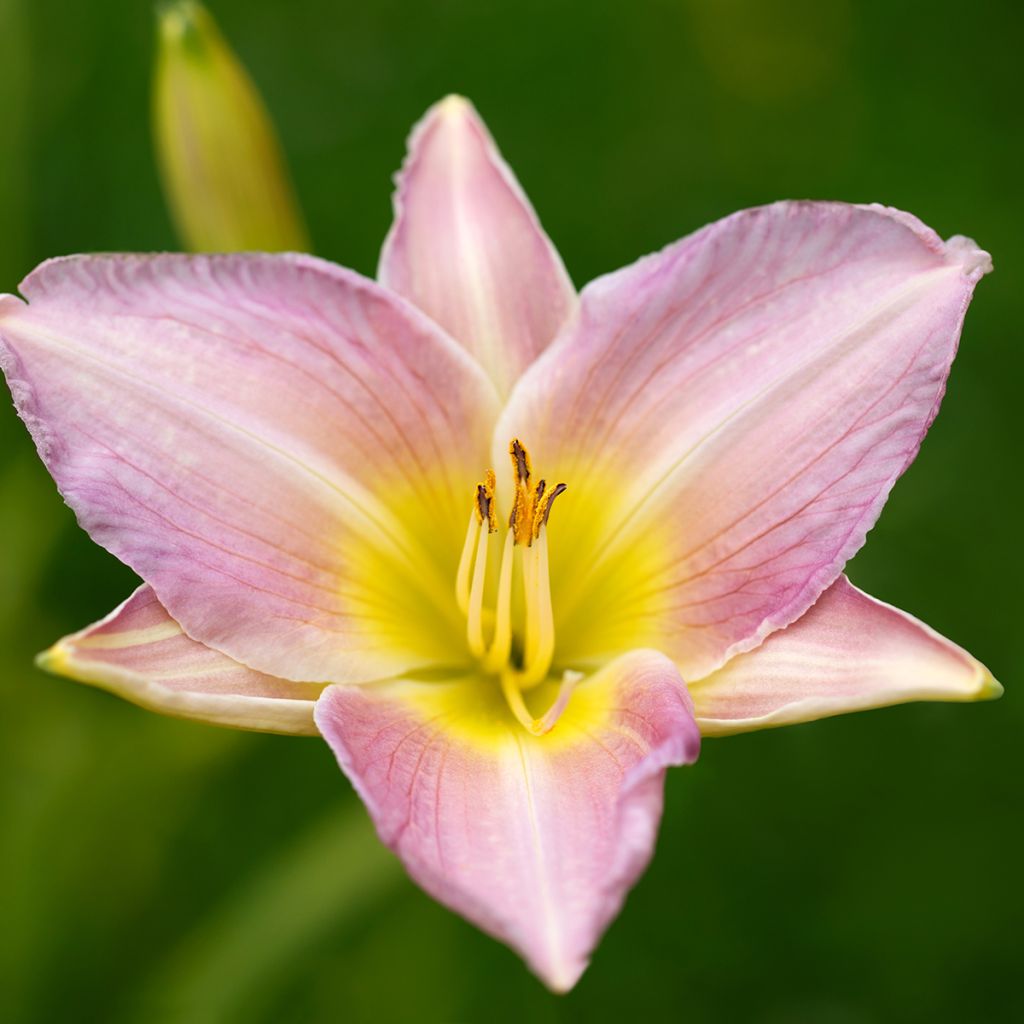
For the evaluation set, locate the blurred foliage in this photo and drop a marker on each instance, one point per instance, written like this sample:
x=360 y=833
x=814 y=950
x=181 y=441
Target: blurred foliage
x=856 y=870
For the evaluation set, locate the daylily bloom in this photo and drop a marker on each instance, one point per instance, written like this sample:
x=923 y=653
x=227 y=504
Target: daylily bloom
x=345 y=498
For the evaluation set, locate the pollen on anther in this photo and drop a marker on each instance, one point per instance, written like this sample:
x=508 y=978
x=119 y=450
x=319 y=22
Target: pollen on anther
x=524 y=504
x=520 y=460
x=485 y=509
x=543 y=520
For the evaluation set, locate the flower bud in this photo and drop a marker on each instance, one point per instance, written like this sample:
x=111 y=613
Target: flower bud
x=223 y=170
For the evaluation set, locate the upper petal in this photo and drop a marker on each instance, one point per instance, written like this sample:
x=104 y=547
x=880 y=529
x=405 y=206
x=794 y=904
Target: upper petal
x=467 y=248
x=140 y=653
x=283 y=449
x=848 y=652
x=732 y=413
x=534 y=839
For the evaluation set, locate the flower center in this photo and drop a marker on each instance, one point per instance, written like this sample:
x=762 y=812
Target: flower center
x=510 y=628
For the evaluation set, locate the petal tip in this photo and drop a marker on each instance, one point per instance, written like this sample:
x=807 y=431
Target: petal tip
x=959 y=250
x=53 y=660
x=989 y=688
x=453 y=112
x=536 y=843
x=562 y=980
x=454 y=104
x=174 y=19
x=974 y=261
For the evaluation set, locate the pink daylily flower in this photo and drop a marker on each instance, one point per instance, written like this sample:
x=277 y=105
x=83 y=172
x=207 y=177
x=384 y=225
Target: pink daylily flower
x=341 y=494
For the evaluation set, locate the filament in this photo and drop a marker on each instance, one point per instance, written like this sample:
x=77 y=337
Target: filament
x=474 y=615
x=466 y=562
x=501 y=645
x=540 y=625
x=538 y=726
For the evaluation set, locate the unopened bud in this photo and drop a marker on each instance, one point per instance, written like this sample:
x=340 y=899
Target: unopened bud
x=223 y=170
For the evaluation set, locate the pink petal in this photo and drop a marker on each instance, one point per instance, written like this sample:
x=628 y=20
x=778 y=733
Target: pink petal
x=848 y=652
x=534 y=839
x=283 y=449
x=140 y=653
x=467 y=248
x=730 y=415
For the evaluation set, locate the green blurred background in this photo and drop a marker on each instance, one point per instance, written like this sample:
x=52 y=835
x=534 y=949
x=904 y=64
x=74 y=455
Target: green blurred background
x=855 y=870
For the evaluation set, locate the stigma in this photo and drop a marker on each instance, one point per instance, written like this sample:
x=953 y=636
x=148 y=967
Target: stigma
x=509 y=623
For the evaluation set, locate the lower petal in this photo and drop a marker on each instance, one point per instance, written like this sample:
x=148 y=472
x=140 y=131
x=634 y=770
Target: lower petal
x=534 y=839
x=849 y=652
x=140 y=653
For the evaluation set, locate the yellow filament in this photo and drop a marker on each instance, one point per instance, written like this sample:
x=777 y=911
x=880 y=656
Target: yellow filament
x=466 y=562
x=514 y=698
x=540 y=624
x=474 y=616
x=527 y=564
x=550 y=717
x=501 y=645
x=538 y=726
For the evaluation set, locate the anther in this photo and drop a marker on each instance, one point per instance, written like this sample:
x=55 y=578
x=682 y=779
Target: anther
x=551 y=500
x=521 y=461
x=483 y=511
x=525 y=503
x=485 y=502
x=542 y=511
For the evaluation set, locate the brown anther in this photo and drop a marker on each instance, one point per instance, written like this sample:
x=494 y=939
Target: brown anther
x=531 y=506
x=485 y=510
x=551 y=500
x=523 y=504
x=520 y=461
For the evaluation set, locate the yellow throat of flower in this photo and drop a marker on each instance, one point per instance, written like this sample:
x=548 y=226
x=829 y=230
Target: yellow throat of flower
x=513 y=634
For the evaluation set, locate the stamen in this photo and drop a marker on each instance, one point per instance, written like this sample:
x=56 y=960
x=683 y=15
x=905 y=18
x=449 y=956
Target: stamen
x=520 y=461
x=485 y=501
x=474 y=616
x=529 y=509
x=521 y=520
x=466 y=561
x=501 y=645
x=540 y=624
x=559 y=489
x=483 y=512
x=514 y=699
x=547 y=721
x=569 y=682
x=525 y=545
